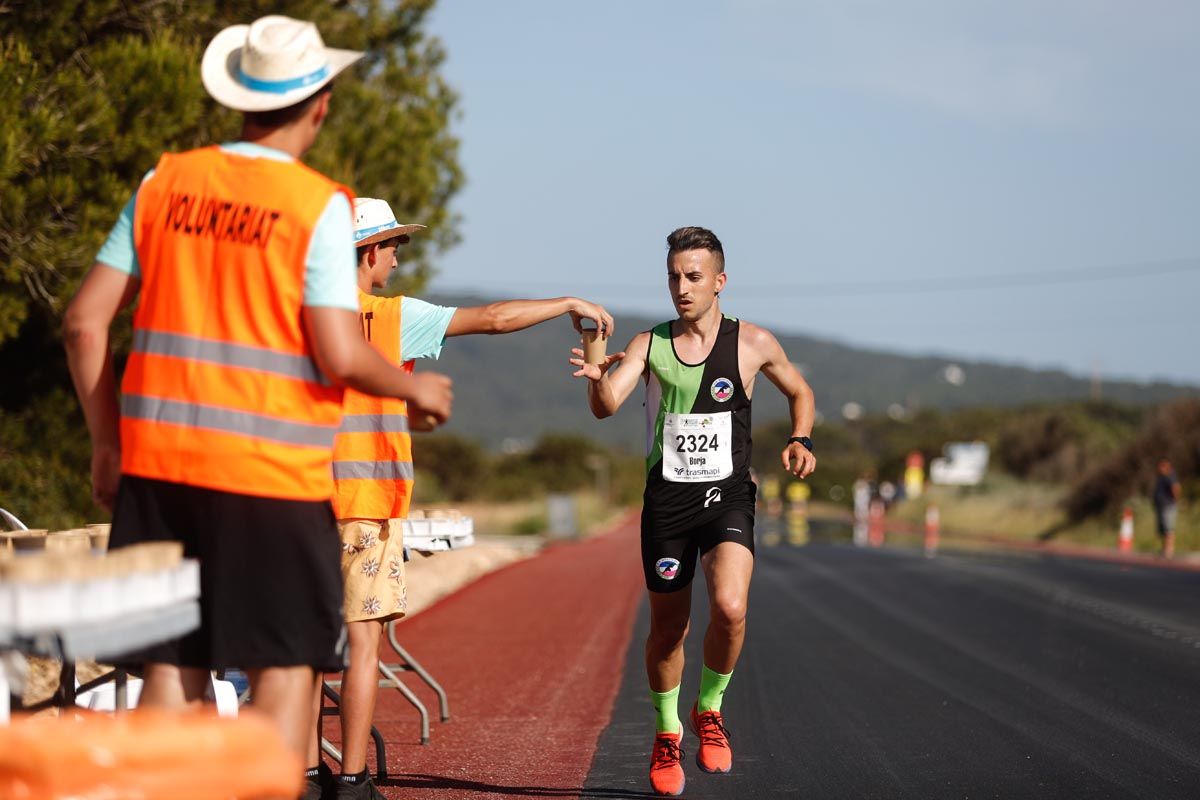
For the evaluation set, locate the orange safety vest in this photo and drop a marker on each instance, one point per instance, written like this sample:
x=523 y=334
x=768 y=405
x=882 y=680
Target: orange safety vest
x=221 y=390
x=372 y=452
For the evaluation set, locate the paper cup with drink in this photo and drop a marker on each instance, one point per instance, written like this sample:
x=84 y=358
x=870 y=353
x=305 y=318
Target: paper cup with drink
x=595 y=344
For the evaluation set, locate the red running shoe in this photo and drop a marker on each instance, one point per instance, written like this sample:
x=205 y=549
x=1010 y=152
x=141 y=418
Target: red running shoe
x=713 y=754
x=666 y=771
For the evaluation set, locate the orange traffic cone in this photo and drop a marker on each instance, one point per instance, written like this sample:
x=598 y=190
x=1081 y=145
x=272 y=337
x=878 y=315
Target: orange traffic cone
x=933 y=526
x=875 y=525
x=1125 y=535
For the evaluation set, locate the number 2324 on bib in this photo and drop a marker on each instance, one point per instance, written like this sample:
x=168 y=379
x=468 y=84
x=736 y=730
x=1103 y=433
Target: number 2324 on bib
x=696 y=447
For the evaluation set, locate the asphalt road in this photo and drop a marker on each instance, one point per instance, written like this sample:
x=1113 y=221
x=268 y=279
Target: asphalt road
x=878 y=673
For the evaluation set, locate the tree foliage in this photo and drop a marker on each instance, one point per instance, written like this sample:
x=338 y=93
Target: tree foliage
x=1172 y=432
x=93 y=91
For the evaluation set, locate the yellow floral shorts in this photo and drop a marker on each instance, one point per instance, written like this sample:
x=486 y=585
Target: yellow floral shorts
x=373 y=569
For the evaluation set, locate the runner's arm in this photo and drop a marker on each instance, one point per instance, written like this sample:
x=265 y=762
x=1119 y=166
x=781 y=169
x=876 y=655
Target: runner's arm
x=344 y=357
x=781 y=372
x=508 y=316
x=607 y=389
x=104 y=292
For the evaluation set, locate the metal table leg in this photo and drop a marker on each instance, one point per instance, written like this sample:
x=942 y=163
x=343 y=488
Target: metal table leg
x=392 y=681
x=412 y=664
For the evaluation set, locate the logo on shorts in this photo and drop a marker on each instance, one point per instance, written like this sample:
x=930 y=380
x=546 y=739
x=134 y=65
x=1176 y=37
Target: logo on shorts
x=713 y=495
x=667 y=568
x=721 y=389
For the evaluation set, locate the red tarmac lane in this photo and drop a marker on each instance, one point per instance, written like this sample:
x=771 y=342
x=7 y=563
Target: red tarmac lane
x=531 y=657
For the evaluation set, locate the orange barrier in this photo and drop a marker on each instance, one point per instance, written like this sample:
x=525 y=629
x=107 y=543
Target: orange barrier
x=146 y=755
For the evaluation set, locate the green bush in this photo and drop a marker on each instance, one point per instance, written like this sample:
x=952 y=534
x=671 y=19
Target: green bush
x=45 y=459
x=457 y=465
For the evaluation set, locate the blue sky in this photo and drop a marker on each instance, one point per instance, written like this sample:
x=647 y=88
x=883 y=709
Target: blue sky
x=849 y=155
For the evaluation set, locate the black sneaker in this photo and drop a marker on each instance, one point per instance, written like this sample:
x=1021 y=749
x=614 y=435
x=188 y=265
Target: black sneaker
x=366 y=790
x=321 y=787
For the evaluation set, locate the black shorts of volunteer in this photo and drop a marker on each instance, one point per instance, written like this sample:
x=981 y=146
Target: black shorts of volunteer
x=669 y=557
x=270 y=574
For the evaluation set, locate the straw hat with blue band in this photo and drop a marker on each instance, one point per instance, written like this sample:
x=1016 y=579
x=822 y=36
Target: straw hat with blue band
x=274 y=62
x=375 y=222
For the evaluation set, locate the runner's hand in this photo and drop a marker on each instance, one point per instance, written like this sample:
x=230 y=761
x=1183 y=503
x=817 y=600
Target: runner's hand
x=106 y=475
x=593 y=372
x=582 y=309
x=804 y=461
x=429 y=404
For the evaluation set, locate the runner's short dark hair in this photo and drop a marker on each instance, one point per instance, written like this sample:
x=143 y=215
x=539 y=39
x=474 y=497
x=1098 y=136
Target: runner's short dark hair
x=694 y=238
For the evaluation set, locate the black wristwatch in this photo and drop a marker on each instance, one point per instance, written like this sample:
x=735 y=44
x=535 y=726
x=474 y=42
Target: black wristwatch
x=804 y=440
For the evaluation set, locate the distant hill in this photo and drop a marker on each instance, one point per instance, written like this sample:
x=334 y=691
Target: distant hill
x=520 y=385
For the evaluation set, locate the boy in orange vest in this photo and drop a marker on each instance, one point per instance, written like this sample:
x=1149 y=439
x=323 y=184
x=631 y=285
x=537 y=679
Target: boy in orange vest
x=245 y=332
x=373 y=472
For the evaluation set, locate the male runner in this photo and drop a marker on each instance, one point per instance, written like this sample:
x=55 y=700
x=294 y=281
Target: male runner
x=699 y=371
x=373 y=472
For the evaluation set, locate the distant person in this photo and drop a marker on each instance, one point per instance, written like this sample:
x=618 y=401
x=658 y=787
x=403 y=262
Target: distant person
x=1166 y=506
x=245 y=332
x=373 y=470
x=699 y=371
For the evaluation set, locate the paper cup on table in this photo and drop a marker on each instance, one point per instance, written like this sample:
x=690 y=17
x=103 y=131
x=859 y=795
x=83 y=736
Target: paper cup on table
x=99 y=533
x=101 y=593
x=29 y=542
x=595 y=346
x=68 y=542
x=6 y=537
x=43 y=593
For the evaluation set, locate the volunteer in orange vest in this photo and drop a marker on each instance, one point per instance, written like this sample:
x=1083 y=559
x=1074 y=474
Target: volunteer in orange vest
x=245 y=332
x=372 y=466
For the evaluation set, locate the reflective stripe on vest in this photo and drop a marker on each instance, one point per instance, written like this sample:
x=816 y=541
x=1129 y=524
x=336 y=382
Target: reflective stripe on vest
x=229 y=354
x=372 y=453
x=374 y=423
x=221 y=390
x=373 y=470
x=194 y=415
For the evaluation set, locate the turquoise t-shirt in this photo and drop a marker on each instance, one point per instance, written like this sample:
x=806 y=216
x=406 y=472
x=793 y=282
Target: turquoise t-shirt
x=422 y=328
x=331 y=268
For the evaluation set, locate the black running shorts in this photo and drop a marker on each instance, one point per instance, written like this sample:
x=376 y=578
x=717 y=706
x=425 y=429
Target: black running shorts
x=270 y=574
x=669 y=560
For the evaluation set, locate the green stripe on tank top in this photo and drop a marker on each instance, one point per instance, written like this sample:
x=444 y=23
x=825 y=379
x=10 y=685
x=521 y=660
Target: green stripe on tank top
x=680 y=385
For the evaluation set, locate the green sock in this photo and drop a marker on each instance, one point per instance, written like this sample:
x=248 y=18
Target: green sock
x=666 y=711
x=712 y=689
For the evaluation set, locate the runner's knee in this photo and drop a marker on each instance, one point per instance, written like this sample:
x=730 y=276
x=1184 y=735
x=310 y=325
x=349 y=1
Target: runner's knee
x=728 y=611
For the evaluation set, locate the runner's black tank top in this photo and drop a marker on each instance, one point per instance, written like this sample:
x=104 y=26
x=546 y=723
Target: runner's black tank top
x=711 y=389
